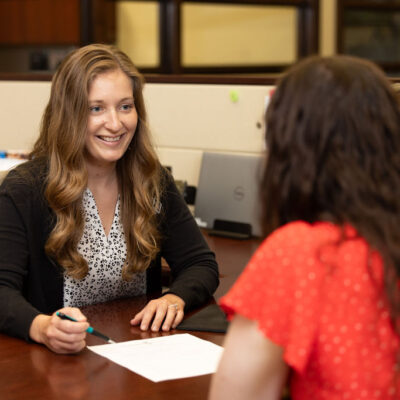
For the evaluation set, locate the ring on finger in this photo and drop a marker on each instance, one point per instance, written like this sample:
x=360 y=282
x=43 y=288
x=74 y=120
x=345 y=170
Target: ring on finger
x=175 y=306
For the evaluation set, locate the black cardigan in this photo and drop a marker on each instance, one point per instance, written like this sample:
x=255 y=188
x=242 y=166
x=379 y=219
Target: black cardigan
x=32 y=283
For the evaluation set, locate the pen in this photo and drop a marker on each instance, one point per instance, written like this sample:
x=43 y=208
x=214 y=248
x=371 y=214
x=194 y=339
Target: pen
x=89 y=330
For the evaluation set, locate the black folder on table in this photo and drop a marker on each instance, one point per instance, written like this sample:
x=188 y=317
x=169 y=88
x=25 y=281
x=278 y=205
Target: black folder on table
x=209 y=319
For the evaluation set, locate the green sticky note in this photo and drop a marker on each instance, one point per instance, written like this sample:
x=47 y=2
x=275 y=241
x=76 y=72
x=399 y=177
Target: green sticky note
x=234 y=96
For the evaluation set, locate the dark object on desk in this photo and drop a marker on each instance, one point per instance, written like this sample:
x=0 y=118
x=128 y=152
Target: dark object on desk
x=190 y=195
x=209 y=319
x=234 y=230
x=188 y=192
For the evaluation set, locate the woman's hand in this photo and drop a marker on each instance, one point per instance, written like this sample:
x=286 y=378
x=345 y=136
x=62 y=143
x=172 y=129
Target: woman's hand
x=60 y=336
x=165 y=312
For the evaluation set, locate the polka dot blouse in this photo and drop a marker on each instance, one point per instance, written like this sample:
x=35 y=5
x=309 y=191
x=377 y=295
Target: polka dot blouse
x=320 y=297
x=105 y=257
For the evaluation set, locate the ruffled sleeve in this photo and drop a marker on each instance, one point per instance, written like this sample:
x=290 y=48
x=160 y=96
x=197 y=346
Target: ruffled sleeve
x=281 y=289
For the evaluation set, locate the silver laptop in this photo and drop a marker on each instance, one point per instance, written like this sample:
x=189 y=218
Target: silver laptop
x=227 y=200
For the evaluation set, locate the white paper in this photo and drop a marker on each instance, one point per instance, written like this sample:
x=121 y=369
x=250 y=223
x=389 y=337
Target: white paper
x=8 y=163
x=166 y=357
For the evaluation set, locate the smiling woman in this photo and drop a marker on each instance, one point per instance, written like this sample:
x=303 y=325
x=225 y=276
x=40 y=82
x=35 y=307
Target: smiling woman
x=112 y=118
x=89 y=217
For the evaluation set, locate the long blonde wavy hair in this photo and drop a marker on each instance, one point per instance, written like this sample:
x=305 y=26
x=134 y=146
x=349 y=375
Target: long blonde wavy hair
x=61 y=145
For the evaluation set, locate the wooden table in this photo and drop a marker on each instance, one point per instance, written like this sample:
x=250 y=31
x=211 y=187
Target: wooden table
x=30 y=371
x=232 y=256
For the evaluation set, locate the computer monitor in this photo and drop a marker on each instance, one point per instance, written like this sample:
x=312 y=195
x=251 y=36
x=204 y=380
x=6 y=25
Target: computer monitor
x=227 y=200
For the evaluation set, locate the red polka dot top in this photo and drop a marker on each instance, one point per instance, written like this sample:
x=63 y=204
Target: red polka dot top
x=317 y=291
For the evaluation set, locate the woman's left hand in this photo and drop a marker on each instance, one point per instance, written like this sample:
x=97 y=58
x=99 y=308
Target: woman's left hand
x=165 y=312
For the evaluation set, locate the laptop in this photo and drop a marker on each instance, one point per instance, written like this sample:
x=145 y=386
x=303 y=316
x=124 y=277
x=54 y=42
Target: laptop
x=227 y=201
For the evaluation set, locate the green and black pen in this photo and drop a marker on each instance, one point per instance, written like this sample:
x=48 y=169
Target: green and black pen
x=89 y=330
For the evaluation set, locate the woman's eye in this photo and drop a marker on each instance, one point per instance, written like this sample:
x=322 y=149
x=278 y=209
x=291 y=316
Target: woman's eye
x=127 y=107
x=95 y=109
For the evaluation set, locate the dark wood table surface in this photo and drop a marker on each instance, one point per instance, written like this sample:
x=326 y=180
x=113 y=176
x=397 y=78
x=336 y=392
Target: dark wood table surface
x=30 y=371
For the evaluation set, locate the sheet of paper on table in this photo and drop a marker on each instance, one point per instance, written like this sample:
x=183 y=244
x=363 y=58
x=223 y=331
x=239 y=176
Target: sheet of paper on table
x=164 y=358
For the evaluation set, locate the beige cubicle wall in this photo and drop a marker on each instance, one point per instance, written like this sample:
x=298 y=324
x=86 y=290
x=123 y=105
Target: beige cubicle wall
x=185 y=120
x=21 y=106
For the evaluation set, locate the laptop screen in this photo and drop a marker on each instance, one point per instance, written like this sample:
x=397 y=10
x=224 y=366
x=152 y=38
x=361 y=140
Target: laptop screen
x=227 y=193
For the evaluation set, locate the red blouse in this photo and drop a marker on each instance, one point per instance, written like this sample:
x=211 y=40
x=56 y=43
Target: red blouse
x=320 y=297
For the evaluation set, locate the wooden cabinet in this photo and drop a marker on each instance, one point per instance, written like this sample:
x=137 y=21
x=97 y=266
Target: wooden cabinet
x=56 y=22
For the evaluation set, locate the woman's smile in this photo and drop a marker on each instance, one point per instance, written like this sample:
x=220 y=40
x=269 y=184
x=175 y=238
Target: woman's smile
x=112 y=118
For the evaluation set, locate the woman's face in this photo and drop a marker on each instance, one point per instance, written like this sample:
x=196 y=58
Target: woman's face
x=112 y=118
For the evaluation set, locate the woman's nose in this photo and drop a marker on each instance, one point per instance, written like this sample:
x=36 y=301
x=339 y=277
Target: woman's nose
x=113 y=121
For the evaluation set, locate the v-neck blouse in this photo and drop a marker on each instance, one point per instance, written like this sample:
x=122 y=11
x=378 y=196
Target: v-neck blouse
x=105 y=256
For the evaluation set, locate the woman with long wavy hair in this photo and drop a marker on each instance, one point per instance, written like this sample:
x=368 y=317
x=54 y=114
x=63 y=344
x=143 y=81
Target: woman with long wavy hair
x=89 y=217
x=318 y=306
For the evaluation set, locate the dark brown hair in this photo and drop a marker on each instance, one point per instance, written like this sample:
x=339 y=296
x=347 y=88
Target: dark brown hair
x=61 y=145
x=333 y=143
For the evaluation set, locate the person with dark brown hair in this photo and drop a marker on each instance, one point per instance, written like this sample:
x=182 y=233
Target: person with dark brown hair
x=89 y=217
x=318 y=305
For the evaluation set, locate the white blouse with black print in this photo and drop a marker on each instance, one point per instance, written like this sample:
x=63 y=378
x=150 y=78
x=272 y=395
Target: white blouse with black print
x=105 y=256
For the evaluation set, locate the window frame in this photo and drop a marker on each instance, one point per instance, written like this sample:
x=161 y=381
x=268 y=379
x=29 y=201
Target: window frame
x=360 y=5
x=170 y=37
